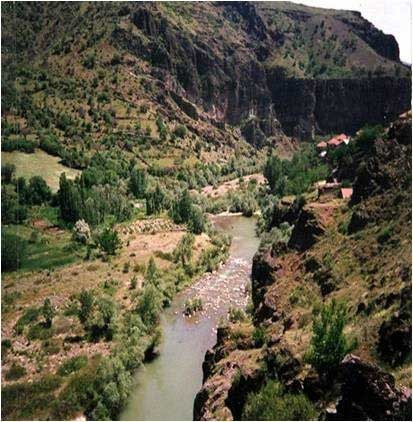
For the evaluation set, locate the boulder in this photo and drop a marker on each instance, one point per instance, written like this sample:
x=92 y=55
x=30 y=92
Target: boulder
x=367 y=392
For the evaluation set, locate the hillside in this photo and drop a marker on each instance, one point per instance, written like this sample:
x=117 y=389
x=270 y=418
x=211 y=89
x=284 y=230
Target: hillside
x=86 y=72
x=357 y=254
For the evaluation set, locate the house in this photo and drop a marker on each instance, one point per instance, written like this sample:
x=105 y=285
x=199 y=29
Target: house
x=346 y=193
x=336 y=141
x=322 y=145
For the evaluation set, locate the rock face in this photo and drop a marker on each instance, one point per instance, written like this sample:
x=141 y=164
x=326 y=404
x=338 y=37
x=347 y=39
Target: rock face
x=233 y=85
x=369 y=393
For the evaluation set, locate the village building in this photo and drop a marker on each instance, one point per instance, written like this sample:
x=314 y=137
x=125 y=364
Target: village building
x=338 y=140
x=346 y=193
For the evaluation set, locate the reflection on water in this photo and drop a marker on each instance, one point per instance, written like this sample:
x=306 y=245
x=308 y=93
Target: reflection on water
x=166 y=388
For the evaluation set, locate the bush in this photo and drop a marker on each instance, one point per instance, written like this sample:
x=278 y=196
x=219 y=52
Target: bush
x=180 y=131
x=328 y=344
x=7 y=172
x=13 y=251
x=23 y=145
x=385 y=234
x=271 y=403
x=237 y=315
x=259 y=336
x=72 y=365
x=109 y=241
x=48 y=312
x=192 y=306
x=15 y=372
x=51 y=145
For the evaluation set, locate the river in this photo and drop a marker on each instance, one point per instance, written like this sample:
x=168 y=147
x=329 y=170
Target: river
x=166 y=387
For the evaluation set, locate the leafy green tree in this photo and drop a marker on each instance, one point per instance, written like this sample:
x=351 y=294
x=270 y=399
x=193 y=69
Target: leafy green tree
x=11 y=210
x=69 y=200
x=152 y=273
x=13 y=251
x=273 y=172
x=38 y=192
x=86 y=301
x=184 y=250
x=109 y=241
x=328 y=344
x=48 y=312
x=7 y=172
x=138 y=183
x=149 y=305
x=181 y=208
x=155 y=201
x=103 y=321
x=197 y=221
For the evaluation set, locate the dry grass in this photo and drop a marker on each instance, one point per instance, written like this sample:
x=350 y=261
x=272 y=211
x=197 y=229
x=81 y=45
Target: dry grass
x=39 y=164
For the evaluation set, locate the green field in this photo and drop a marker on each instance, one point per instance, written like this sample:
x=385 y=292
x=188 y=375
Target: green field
x=39 y=164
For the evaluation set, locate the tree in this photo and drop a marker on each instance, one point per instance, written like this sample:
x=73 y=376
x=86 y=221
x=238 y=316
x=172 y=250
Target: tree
x=11 y=210
x=69 y=200
x=109 y=241
x=48 y=312
x=273 y=172
x=184 y=250
x=328 y=344
x=138 y=183
x=13 y=251
x=86 y=301
x=181 y=208
x=7 y=172
x=155 y=201
x=151 y=275
x=149 y=305
x=38 y=192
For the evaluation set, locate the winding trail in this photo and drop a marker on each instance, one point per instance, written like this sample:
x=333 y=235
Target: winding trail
x=166 y=387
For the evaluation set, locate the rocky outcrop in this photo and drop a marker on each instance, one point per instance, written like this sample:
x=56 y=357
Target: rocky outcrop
x=239 y=88
x=305 y=232
x=395 y=335
x=367 y=392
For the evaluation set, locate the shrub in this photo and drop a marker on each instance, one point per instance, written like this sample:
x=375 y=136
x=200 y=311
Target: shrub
x=237 y=315
x=328 y=344
x=180 y=131
x=13 y=251
x=48 y=312
x=23 y=145
x=72 y=365
x=81 y=232
x=51 y=145
x=86 y=301
x=385 y=234
x=15 y=372
x=259 y=336
x=271 y=403
x=109 y=241
x=192 y=306
x=7 y=172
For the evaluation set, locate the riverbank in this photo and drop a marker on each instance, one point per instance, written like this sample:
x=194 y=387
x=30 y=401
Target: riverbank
x=99 y=342
x=175 y=376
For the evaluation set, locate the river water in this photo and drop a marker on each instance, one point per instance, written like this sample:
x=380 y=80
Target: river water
x=166 y=387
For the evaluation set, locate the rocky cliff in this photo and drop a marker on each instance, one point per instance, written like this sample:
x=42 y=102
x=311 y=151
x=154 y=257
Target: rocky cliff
x=271 y=69
x=358 y=254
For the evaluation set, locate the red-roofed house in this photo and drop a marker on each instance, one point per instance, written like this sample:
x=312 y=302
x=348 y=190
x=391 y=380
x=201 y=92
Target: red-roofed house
x=338 y=140
x=346 y=193
x=322 y=145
